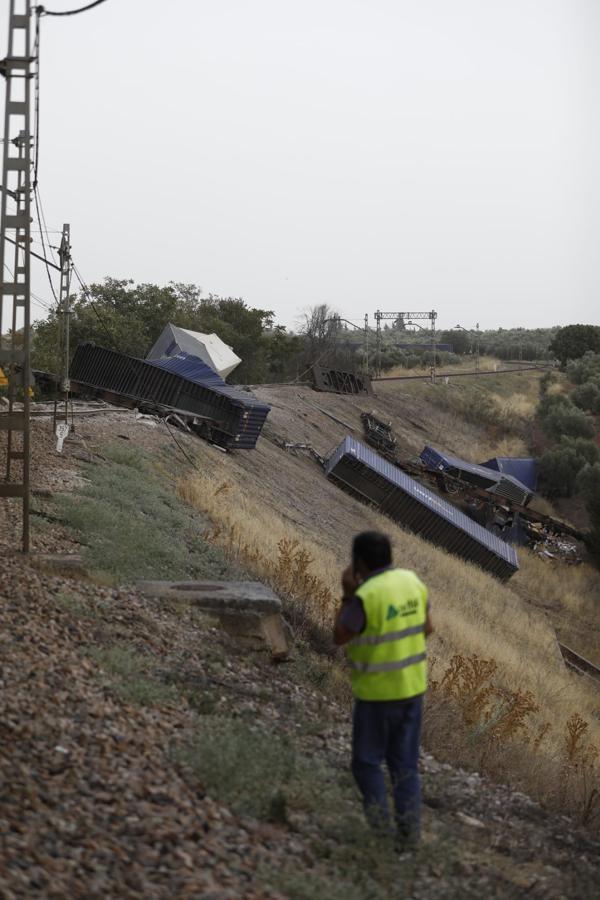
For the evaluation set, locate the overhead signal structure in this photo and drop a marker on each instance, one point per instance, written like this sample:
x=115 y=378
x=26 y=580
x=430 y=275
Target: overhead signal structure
x=404 y=318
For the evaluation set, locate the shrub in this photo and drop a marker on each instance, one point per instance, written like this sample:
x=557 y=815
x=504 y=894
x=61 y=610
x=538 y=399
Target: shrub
x=558 y=470
x=550 y=403
x=574 y=341
x=569 y=421
x=547 y=379
x=581 y=370
x=588 y=484
x=246 y=768
x=586 y=449
x=587 y=395
x=133 y=525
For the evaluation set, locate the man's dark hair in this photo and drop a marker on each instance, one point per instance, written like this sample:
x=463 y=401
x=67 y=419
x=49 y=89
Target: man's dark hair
x=372 y=549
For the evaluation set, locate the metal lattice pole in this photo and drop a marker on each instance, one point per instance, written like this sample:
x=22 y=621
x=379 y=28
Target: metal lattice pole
x=64 y=305
x=432 y=317
x=15 y=218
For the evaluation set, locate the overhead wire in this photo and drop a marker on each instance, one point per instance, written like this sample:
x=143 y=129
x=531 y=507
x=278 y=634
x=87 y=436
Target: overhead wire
x=41 y=218
x=50 y=246
x=68 y=12
x=88 y=297
x=36 y=194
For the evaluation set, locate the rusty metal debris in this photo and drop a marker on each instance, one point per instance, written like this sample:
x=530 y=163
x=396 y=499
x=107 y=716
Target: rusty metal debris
x=578 y=663
x=337 y=381
x=297 y=449
x=379 y=435
x=513 y=522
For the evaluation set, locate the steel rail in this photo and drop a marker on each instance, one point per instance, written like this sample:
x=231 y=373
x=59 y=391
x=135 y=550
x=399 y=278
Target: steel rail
x=460 y=374
x=578 y=663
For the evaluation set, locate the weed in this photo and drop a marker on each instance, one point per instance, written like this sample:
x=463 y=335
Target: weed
x=581 y=771
x=130 y=676
x=134 y=526
x=246 y=768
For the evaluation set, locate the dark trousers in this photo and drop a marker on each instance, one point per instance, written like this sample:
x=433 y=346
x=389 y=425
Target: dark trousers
x=389 y=730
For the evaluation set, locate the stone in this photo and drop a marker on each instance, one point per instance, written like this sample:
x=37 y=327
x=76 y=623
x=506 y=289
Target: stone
x=470 y=820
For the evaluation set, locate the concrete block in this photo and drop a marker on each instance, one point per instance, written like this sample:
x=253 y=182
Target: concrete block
x=247 y=610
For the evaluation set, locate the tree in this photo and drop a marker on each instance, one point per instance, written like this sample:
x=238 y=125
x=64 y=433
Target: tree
x=461 y=341
x=573 y=341
x=585 y=449
x=587 y=396
x=558 y=469
x=571 y=422
x=129 y=318
x=282 y=353
x=588 y=484
x=551 y=403
x=585 y=368
x=320 y=327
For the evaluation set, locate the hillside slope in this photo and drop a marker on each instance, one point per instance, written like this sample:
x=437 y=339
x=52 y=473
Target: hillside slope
x=146 y=754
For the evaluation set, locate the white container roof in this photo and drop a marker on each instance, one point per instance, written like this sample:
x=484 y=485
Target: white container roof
x=207 y=347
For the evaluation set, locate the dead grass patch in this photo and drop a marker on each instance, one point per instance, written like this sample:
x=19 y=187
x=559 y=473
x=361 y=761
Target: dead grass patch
x=475 y=615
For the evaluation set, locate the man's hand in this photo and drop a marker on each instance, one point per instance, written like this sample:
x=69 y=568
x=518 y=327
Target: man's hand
x=350 y=581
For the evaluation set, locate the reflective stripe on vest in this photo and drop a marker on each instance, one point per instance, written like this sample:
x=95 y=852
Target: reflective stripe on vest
x=388 y=666
x=388 y=662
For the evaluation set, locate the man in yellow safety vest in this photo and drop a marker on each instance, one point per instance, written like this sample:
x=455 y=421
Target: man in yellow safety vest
x=384 y=621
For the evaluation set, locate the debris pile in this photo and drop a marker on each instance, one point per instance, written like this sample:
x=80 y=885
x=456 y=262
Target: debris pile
x=489 y=491
x=549 y=545
x=379 y=435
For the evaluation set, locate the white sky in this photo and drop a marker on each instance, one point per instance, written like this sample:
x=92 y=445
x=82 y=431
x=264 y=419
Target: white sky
x=364 y=153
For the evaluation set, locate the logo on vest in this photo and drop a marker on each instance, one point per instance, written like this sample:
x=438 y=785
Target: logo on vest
x=406 y=609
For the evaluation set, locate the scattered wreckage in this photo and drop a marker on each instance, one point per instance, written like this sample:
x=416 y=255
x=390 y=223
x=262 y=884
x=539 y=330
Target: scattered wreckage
x=491 y=493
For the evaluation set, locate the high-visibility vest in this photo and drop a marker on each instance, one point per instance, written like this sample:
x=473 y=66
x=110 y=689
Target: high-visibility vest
x=388 y=658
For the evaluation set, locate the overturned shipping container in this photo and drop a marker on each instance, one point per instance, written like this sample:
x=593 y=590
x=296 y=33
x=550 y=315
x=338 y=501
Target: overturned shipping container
x=523 y=468
x=366 y=475
x=491 y=480
x=227 y=415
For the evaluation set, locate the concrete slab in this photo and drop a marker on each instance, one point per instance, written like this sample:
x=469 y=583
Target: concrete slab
x=222 y=596
x=248 y=610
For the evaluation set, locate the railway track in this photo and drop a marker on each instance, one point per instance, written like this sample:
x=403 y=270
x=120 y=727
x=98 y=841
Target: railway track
x=427 y=376
x=578 y=663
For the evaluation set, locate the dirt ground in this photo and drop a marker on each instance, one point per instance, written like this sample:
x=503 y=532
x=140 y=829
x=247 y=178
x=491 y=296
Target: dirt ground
x=92 y=804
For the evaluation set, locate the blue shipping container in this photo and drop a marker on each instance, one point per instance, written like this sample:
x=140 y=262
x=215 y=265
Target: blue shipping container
x=366 y=475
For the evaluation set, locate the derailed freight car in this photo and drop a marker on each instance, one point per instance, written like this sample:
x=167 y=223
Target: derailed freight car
x=366 y=475
x=230 y=417
x=491 y=480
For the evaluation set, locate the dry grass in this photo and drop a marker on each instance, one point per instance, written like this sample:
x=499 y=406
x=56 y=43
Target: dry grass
x=571 y=598
x=494 y=412
x=476 y=617
x=521 y=404
x=467 y=364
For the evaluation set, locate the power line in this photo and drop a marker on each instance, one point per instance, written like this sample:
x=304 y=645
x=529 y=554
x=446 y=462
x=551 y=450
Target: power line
x=37 y=255
x=37 y=208
x=69 y=12
x=88 y=295
x=50 y=247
